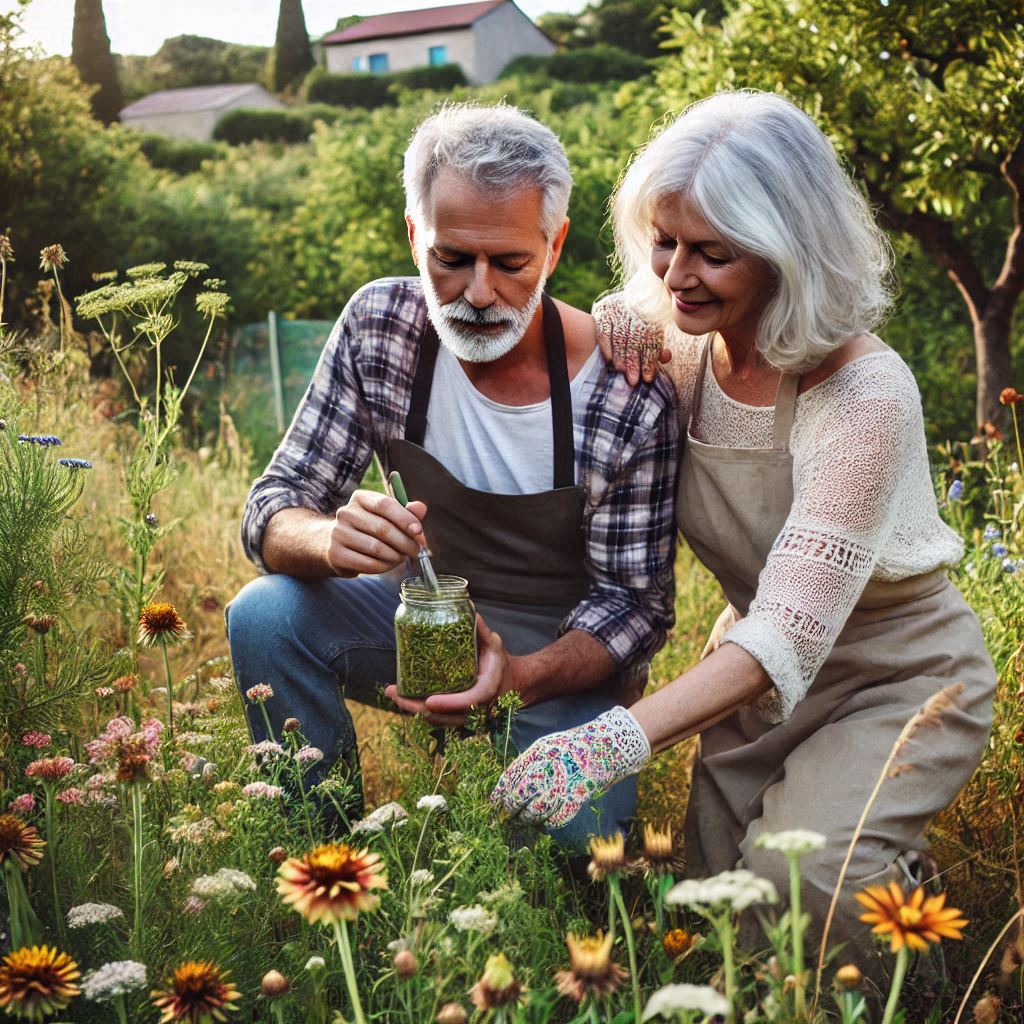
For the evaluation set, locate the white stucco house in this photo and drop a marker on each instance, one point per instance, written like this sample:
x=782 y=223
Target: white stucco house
x=480 y=37
x=193 y=113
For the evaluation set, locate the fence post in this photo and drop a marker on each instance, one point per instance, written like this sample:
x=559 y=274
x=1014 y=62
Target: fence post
x=275 y=371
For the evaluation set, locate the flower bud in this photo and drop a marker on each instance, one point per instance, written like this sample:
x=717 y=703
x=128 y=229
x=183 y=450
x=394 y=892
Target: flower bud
x=278 y=855
x=274 y=984
x=849 y=976
x=451 y=1013
x=986 y=1010
x=406 y=965
x=170 y=868
x=291 y=725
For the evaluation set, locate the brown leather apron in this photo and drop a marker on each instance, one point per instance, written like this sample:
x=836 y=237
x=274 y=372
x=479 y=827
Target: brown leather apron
x=902 y=643
x=523 y=554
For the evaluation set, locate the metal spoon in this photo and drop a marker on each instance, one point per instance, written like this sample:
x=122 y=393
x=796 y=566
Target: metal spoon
x=398 y=492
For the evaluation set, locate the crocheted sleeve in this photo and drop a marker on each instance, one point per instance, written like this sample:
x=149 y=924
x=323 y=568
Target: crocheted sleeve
x=868 y=431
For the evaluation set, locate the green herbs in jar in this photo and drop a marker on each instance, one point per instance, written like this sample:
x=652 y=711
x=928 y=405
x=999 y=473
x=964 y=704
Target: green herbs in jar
x=435 y=635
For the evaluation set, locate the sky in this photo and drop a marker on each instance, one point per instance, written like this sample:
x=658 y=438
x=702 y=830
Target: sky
x=140 y=26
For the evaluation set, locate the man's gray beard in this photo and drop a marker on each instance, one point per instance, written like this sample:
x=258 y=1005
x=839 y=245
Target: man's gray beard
x=453 y=323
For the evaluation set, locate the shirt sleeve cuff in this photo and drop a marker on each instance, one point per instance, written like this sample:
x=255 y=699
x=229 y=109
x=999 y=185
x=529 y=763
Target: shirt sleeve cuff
x=760 y=641
x=625 y=633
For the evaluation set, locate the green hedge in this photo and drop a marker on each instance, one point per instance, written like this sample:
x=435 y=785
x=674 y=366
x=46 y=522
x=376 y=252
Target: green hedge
x=250 y=125
x=590 y=64
x=372 y=91
x=183 y=156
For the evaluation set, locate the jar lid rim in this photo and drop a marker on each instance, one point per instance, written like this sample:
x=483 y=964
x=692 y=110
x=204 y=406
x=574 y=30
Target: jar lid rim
x=451 y=586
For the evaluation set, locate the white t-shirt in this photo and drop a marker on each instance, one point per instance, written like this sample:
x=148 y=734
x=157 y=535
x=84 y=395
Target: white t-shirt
x=501 y=449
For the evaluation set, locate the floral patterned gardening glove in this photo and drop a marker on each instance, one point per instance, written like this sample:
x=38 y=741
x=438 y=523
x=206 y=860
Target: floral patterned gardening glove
x=559 y=773
x=632 y=346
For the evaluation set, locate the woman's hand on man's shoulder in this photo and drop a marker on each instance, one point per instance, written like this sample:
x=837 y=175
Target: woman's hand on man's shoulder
x=630 y=345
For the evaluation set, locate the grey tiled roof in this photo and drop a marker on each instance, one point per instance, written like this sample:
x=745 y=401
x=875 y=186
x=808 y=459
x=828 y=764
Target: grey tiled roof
x=183 y=101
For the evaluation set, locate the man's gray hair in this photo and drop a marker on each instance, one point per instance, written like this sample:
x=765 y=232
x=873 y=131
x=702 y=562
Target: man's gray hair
x=767 y=179
x=500 y=149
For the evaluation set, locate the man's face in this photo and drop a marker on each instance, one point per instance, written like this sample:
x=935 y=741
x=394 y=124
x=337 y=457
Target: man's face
x=484 y=262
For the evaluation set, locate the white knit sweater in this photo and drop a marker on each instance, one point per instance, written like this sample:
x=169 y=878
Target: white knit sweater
x=864 y=506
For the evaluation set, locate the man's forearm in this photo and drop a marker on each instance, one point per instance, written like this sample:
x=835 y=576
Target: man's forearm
x=573 y=663
x=296 y=542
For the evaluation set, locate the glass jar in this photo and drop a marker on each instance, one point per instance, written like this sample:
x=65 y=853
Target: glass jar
x=435 y=634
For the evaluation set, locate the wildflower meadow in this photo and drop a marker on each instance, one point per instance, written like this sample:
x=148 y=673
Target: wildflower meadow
x=157 y=866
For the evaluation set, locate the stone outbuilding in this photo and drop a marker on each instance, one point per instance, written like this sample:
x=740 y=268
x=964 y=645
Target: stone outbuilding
x=480 y=37
x=193 y=113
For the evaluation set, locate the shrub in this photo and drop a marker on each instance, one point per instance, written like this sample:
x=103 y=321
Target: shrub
x=182 y=156
x=592 y=64
x=357 y=90
x=440 y=78
x=250 y=125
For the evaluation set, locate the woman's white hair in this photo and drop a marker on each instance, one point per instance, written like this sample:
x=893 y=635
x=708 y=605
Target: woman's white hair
x=768 y=181
x=499 y=148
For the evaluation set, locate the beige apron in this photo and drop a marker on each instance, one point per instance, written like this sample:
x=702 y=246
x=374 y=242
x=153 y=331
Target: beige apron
x=902 y=643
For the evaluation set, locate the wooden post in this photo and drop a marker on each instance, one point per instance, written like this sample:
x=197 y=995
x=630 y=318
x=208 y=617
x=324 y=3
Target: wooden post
x=275 y=371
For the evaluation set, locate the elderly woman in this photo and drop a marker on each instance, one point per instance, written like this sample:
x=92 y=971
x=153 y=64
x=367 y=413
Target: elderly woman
x=805 y=489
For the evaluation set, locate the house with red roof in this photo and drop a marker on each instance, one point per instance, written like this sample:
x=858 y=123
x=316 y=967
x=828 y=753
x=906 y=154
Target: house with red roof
x=481 y=37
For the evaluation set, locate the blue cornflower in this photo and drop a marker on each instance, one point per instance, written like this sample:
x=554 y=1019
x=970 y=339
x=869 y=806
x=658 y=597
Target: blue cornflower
x=1009 y=565
x=76 y=463
x=956 y=490
x=992 y=532
x=42 y=439
x=999 y=550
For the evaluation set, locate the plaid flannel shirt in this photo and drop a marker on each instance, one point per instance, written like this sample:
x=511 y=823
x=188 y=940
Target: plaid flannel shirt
x=358 y=400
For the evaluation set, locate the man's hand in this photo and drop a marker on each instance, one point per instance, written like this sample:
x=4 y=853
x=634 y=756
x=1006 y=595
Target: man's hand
x=495 y=676
x=373 y=533
x=630 y=345
x=558 y=774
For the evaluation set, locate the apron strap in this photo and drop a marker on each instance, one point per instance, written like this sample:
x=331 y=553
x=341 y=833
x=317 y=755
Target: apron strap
x=698 y=384
x=785 y=410
x=558 y=376
x=561 y=397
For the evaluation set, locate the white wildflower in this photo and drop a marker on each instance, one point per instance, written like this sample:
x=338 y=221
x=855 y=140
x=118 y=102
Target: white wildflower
x=194 y=739
x=473 y=919
x=794 y=843
x=114 y=979
x=432 y=802
x=224 y=882
x=93 y=913
x=393 y=814
x=421 y=876
x=675 y=998
x=736 y=889
x=316 y=963
x=262 y=790
x=266 y=749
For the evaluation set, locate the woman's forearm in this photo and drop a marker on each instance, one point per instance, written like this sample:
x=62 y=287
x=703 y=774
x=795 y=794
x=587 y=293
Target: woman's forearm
x=726 y=680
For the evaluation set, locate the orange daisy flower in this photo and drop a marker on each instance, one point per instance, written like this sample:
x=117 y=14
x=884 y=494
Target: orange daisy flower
x=198 y=992
x=912 y=920
x=591 y=969
x=161 y=623
x=20 y=840
x=37 y=981
x=677 y=942
x=333 y=882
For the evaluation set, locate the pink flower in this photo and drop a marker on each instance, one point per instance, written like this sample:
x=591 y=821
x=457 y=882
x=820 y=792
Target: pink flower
x=107 y=746
x=50 y=769
x=194 y=905
x=36 y=739
x=262 y=789
x=104 y=691
x=259 y=693
x=72 y=796
x=24 y=804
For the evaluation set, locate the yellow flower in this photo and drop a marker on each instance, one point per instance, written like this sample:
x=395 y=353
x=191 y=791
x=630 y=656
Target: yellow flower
x=497 y=985
x=20 y=840
x=36 y=982
x=591 y=970
x=161 y=623
x=333 y=882
x=198 y=992
x=676 y=942
x=607 y=856
x=912 y=920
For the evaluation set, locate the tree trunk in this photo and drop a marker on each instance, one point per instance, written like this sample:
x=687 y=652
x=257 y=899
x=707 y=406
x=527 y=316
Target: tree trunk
x=992 y=350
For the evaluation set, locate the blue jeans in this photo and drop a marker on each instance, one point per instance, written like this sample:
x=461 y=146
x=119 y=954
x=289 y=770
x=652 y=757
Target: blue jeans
x=317 y=642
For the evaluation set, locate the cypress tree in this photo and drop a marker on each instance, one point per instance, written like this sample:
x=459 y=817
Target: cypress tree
x=292 y=56
x=90 y=53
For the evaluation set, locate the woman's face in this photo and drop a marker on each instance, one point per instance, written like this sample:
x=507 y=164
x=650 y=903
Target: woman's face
x=713 y=287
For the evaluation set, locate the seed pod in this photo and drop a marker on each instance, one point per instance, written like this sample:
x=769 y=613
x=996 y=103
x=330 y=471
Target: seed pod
x=406 y=965
x=274 y=984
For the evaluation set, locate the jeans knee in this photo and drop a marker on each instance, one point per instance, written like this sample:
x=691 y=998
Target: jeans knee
x=260 y=609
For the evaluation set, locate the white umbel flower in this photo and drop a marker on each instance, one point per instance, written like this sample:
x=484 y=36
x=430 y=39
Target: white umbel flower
x=421 y=876
x=676 y=998
x=93 y=913
x=432 y=802
x=793 y=843
x=473 y=919
x=390 y=814
x=117 y=978
x=734 y=889
x=224 y=882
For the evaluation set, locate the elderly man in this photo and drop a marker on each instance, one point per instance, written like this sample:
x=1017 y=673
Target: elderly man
x=536 y=473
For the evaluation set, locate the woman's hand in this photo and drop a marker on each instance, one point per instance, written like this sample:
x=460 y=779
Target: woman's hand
x=559 y=773
x=725 y=621
x=631 y=345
